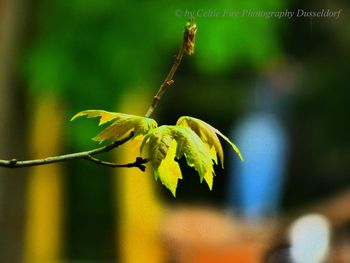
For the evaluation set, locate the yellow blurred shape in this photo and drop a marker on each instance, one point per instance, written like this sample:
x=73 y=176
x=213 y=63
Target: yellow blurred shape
x=140 y=209
x=43 y=232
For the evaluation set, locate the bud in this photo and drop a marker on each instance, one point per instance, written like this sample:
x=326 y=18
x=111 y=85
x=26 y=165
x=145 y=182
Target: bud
x=190 y=36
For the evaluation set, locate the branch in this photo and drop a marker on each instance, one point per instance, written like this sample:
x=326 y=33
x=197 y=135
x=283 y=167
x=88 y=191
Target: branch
x=14 y=163
x=186 y=46
x=138 y=163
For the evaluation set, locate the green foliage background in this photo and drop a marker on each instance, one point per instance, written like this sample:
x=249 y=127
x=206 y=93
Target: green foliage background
x=89 y=53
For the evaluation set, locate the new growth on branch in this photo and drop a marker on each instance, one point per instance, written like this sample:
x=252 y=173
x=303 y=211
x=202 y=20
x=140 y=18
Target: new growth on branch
x=195 y=140
x=188 y=46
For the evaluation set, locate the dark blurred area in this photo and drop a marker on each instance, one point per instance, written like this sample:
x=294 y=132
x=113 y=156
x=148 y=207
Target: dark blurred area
x=277 y=86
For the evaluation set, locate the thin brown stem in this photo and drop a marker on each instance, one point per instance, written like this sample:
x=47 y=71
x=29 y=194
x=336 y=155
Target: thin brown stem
x=14 y=163
x=186 y=46
x=167 y=82
x=139 y=163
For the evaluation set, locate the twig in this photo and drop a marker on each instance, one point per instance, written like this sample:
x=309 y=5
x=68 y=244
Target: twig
x=187 y=45
x=139 y=163
x=14 y=163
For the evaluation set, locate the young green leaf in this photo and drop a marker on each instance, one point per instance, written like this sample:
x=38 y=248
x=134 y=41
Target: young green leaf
x=167 y=142
x=196 y=153
x=208 y=134
x=169 y=170
x=121 y=126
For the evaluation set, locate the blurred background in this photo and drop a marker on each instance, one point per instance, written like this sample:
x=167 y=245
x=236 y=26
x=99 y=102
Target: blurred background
x=277 y=86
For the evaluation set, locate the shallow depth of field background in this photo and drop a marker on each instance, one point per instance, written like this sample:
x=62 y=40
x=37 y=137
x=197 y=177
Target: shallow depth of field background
x=61 y=57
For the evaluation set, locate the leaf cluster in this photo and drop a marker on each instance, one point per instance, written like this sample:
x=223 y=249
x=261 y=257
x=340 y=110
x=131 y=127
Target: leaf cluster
x=191 y=138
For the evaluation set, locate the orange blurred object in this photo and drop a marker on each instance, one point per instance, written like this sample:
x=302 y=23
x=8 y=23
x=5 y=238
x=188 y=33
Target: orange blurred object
x=206 y=235
x=247 y=252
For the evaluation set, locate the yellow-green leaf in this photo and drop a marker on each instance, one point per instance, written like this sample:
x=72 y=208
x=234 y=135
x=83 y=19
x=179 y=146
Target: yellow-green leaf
x=158 y=142
x=169 y=171
x=208 y=134
x=196 y=153
x=122 y=125
x=188 y=144
x=105 y=116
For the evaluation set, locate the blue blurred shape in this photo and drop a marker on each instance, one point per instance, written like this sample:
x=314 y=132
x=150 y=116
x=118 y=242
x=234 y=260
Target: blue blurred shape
x=255 y=186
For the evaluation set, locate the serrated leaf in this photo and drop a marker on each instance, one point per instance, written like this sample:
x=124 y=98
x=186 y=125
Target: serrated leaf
x=158 y=141
x=169 y=170
x=122 y=125
x=208 y=134
x=188 y=144
x=105 y=116
x=196 y=153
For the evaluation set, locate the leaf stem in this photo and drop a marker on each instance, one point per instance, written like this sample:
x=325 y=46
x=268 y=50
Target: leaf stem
x=139 y=163
x=167 y=82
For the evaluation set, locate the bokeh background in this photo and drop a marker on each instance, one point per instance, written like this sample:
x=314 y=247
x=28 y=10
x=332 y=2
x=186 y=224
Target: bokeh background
x=278 y=87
